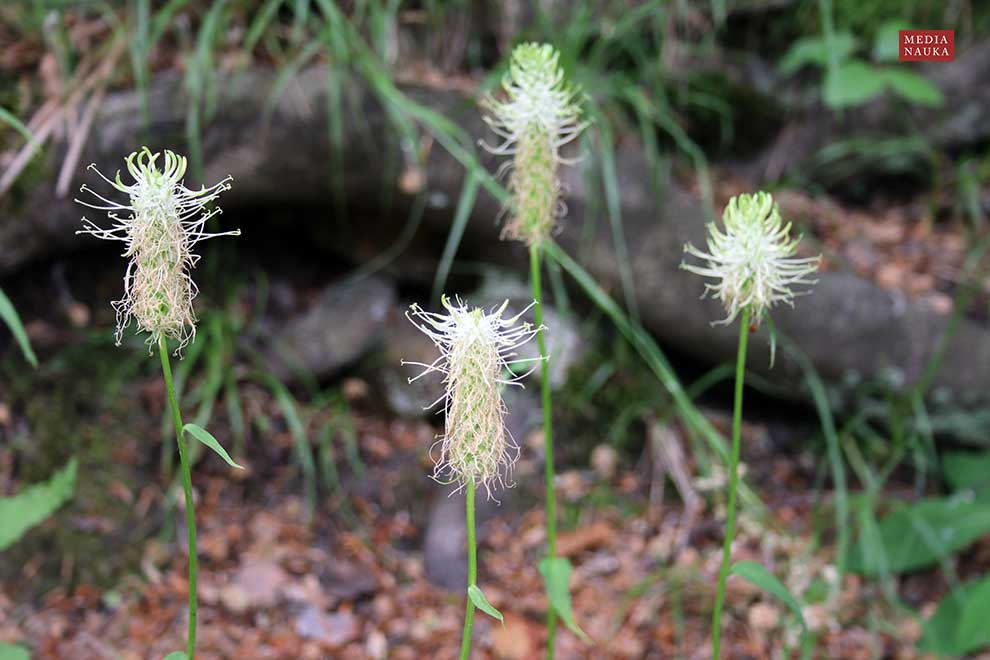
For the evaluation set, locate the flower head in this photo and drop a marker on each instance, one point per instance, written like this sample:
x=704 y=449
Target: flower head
x=752 y=259
x=540 y=114
x=163 y=220
x=477 y=354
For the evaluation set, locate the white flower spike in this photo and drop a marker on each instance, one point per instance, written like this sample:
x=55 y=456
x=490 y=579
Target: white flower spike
x=164 y=221
x=752 y=259
x=477 y=356
x=541 y=114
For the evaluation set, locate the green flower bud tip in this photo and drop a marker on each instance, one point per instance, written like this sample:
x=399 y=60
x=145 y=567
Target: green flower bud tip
x=163 y=221
x=752 y=259
x=477 y=356
x=541 y=113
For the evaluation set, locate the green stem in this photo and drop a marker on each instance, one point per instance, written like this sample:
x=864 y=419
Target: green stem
x=551 y=505
x=730 y=524
x=187 y=489
x=472 y=571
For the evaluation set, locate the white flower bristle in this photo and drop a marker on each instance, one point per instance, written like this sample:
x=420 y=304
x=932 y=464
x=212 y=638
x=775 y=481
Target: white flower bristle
x=163 y=221
x=752 y=259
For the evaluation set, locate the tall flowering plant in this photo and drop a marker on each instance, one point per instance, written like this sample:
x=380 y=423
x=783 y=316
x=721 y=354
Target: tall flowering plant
x=477 y=358
x=751 y=260
x=159 y=224
x=539 y=113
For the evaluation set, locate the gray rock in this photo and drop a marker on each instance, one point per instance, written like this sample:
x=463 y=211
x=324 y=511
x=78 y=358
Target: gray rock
x=345 y=322
x=444 y=545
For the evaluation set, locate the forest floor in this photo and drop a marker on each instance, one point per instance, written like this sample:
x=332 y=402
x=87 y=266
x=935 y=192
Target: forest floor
x=349 y=581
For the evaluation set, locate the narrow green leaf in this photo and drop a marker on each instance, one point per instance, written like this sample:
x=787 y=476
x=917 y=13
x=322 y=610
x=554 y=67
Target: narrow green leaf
x=13 y=321
x=176 y=655
x=8 y=118
x=13 y=652
x=34 y=503
x=759 y=576
x=262 y=18
x=479 y=600
x=207 y=439
x=556 y=572
x=465 y=205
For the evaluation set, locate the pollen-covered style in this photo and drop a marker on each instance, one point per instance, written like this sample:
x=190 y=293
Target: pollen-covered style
x=752 y=259
x=541 y=114
x=477 y=354
x=163 y=221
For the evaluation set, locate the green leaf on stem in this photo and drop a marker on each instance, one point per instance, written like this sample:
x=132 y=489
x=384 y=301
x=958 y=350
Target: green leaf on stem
x=556 y=572
x=207 y=439
x=176 y=655
x=479 y=600
x=759 y=576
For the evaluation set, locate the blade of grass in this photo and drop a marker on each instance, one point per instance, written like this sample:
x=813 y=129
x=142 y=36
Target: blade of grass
x=465 y=204
x=13 y=321
x=8 y=118
x=614 y=206
x=262 y=19
x=198 y=79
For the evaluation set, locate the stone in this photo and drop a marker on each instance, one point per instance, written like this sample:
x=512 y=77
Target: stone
x=344 y=323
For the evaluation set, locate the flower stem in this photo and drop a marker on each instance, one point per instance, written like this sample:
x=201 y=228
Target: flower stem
x=730 y=524
x=551 y=505
x=472 y=571
x=187 y=489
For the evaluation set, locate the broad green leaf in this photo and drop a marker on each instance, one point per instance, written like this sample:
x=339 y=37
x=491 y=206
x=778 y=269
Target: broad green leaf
x=886 y=42
x=966 y=470
x=479 y=600
x=973 y=629
x=920 y=534
x=813 y=50
x=176 y=655
x=853 y=83
x=34 y=503
x=13 y=652
x=913 y=87
x=759 y=576
x=13 y=321
x=958 y=626
x=207 y=439
x=556 y=572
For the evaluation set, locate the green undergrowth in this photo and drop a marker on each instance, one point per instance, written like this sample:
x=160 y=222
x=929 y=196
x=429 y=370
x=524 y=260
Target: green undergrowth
x=63 y=406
